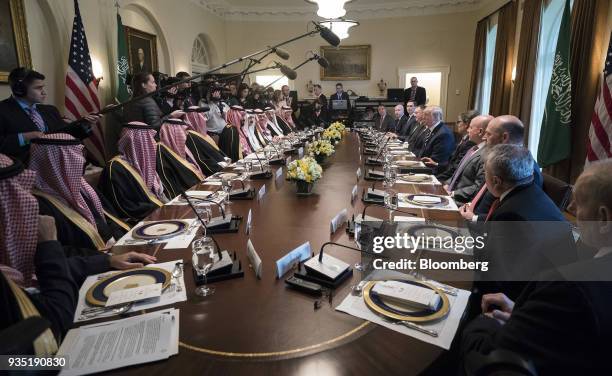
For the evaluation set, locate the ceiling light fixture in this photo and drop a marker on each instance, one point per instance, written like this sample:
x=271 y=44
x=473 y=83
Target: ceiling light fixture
x=330 y=8
x=340 y=26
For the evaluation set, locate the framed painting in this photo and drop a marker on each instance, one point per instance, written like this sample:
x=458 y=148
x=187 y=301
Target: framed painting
x=346 y=63
x=14 y=44
x=142 y=50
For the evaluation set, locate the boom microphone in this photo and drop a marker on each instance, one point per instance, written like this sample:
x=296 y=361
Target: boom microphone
x=323 y=62
x=290 y=73
x=327 y=34
x=281 y=53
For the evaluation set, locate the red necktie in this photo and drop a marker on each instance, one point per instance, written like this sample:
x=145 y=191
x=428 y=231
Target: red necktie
x=478 y=196
x=494 y=206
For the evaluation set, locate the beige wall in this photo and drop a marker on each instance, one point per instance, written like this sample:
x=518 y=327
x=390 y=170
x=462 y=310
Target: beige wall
x=50 y=24
x=440 y=40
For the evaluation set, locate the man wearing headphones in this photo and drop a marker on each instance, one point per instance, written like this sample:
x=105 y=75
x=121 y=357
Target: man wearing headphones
x=23 y=116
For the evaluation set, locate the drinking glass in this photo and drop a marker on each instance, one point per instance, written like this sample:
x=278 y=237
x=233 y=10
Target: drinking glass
x=226 y=185
x=204 y=210
x=390 y=202
x=203 y=260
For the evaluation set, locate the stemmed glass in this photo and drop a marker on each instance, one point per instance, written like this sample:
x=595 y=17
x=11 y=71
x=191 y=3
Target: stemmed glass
x=226 y=185
x=390 y=198
x=203 y=260
x=204 y=211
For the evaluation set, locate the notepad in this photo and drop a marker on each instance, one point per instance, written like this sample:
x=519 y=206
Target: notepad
x=427 y=199
x=407 y=294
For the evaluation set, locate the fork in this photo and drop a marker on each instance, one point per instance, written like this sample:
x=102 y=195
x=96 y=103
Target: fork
x=411 y=325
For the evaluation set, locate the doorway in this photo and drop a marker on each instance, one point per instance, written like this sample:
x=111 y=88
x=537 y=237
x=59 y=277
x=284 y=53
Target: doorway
x=433 y=79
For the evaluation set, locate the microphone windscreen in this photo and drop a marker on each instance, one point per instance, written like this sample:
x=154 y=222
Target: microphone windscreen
x=323 y=62
x=290 y=73
x=329 y=36
x=281 y=53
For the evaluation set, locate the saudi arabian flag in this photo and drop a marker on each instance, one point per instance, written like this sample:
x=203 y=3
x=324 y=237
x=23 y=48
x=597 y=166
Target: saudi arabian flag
x=122 y=63
x=555 y=135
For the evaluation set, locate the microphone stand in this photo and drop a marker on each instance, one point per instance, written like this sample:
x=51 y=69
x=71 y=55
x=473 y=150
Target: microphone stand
x=294 y=68
x=318 y=29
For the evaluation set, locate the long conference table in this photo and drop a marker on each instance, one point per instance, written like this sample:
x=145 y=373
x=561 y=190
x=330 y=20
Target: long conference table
x=256 y=326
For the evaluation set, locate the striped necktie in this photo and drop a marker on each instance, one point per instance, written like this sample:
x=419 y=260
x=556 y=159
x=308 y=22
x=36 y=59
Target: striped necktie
x=462 y=164
x=412 y=94
x=37 y=119
x=494 y=206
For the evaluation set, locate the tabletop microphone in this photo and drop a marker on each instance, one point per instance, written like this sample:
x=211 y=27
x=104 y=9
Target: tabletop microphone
x=186 y=197
x=347 y=247
x=382 y=148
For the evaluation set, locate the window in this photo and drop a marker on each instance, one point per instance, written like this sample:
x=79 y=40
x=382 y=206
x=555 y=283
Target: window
x=487 y=72
x=266 y=80
x=552 y=11
x=199 y=56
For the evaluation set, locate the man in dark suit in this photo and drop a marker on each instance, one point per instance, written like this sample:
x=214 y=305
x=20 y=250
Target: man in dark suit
x=24 y=117
x=404 y=132
x=465 y=180
x=416 y=137
x=439 y=141
x=400 y=120
x=415 y=93
x=337 y=96
x=561 y=321
x=505 y=129
x=382 y=120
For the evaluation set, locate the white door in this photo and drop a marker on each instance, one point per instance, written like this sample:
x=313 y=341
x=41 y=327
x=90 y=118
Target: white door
x=433 y=79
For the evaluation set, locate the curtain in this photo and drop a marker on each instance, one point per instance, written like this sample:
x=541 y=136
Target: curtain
x=503 y=60
x=525 y=63
x=478 y=64
x=589 y=39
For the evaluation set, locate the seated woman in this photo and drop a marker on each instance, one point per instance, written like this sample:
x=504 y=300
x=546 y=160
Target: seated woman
x=272 y=122
x=63 y=193
x=231 y=141
x=284 y=120
x=129 y=181
x=176 y=166
x=201 y=145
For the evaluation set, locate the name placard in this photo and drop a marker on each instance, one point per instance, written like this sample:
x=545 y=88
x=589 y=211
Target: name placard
x=300 y=152
x=358 y=173
x=299 y=254
x=248 y=223
x=254 y=259
x=261 y=192
x=338 y=220
x=279 y=173
x=354 y=193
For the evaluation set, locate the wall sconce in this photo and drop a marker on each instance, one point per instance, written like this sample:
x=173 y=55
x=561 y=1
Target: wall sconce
x=513 y=74
x=96 y=68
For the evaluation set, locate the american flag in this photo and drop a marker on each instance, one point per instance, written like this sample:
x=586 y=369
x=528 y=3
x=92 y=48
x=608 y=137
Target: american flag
x=600 y=134
x=81 y=97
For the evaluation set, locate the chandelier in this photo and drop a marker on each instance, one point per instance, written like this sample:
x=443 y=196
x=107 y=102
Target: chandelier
x=340 y=26
x=330 y=9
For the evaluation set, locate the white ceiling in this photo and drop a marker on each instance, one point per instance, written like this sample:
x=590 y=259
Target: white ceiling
x=272 y=10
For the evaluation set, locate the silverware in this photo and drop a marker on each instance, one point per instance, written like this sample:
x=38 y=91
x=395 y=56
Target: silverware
x=142 y=242
x=448 y=290
x=92 y=312
x=411 y=325
x=358 y=289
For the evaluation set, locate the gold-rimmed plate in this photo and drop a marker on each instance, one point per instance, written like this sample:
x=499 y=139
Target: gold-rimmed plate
x=160 y=229
x=425 y=200
x=395 y=311
x=98 y=294
x=407 y=163
x=416 y=178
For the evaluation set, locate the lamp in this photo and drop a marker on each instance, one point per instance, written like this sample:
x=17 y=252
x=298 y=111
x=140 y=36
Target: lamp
x=330 y=8
x=96 y=68
x=340 y=26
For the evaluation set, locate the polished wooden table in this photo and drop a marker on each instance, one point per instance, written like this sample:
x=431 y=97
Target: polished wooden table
x=252 y=327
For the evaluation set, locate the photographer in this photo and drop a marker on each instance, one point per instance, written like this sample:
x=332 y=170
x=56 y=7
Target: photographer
x=215 y=117
x=24 y=117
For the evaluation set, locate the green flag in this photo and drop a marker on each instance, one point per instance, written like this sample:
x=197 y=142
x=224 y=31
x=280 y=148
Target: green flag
x=555 y=135
x=122 y=63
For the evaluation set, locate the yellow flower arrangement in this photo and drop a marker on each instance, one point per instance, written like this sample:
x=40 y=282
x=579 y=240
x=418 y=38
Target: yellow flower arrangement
x=332 y=134
x=305 y=169
x=339 y=126
x=321 y=147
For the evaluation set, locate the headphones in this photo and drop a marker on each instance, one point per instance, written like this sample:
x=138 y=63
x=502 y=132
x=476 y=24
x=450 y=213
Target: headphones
x=18 y=87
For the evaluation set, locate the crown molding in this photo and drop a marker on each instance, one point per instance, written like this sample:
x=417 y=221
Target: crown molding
x=355 y=10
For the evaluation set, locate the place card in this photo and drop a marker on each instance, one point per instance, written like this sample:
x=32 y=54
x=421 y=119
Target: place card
x=279 y=173
x=358 y=173
x=354 y=193
x=300 y=152
x=261 y=192
x=299 y=254
x=254 y=259
x=134 y=294
x=338 y=220
x=248 y=222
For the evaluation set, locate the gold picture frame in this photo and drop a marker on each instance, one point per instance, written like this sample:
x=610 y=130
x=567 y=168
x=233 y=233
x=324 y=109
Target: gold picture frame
x=138 y=39
x=14 y=43
x=346 y=63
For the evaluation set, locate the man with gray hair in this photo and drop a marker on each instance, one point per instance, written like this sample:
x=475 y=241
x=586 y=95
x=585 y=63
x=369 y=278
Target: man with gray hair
x=439 y=142
x=400 y=119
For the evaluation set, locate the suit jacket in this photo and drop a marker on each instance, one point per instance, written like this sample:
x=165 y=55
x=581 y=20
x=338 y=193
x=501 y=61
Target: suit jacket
x=14 y=120
x=406 y=128
x=420 y=97
x=416 y=137
x=399 y=124
x=462 y=147
x=482 y=208
x=322 y=100
x=145 y=110
x=440 y=145
x=387 y=123
x=563 y=326
x=470 y=178
x=527 y=203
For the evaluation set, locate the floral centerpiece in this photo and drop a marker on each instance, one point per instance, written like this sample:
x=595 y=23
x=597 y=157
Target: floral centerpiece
x=320 y=149
x=304 y=172
x=339 y=126
x=332 y=134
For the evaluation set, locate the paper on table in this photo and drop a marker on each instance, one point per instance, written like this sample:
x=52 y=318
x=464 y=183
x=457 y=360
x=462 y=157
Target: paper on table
x=431 y=181
x=401 y=218
x=111 y=345
x=217 y=197
x=134 y=294
x=176 y=242
x=427 y=199
x=170 y=295
x=402 y=203
x=447 y=328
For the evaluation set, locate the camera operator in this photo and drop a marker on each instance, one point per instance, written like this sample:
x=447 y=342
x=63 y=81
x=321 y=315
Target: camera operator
x=215 y=117
x=24 y=117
